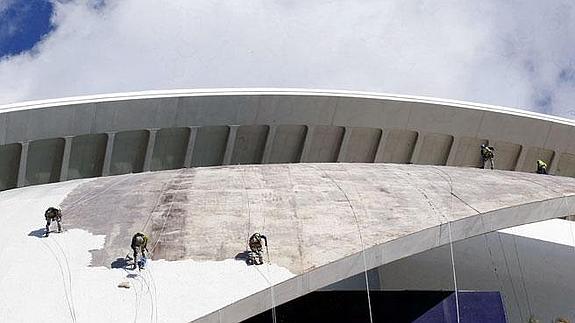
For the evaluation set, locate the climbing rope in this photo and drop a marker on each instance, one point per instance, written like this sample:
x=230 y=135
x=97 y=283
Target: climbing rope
x=294 y=208
x=247 y=201
x=509 y=275
x=360 y=237
x=572 y=235
x=153 y=298
x=268 y=278
x=162 y=191
x=516 y=250
x=166 y=219
x=272 y=293
x=449 y=234
x=65 y=274
x=522 y=276
x=90 y=196
x=489 y=249
x=153 y=294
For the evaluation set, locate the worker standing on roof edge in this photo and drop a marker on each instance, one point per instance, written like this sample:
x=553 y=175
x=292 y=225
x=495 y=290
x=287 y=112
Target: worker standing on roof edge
x=255 y=244
x=52 y=214
x=139 y=243
x=541 y=167
x=487 y=155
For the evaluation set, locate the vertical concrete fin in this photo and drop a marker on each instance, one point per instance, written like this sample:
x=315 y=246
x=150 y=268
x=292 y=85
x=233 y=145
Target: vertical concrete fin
x=231 y=142
x=453 y=151
x=307 y=144
x=269 y=143
x=554 y=162
x=66 y=158
x=521 y=158
x=190 y=147
x=23 y=162
x=381 y=146
x=417 y=147
x=344 y=144
x=108 y=154
x=150 y=149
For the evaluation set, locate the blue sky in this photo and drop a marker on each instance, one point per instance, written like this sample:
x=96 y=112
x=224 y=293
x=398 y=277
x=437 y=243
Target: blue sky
x=510 y=53
x=23 y=23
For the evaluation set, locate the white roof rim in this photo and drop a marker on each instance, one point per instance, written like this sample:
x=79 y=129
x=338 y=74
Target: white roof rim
x=154 y=94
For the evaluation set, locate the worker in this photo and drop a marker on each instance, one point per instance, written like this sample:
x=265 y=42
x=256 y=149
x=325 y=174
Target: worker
x=52 y=214
x=487 y=155
x=139 y=243
x=541 y=167
x=255 y=244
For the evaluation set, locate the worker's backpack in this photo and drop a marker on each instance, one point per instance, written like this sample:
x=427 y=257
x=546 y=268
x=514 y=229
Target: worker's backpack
x=487 y=152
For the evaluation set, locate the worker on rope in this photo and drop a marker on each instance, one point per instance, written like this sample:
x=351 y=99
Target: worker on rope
x=541 y=167
x=487 y=155
x=255 y=244
x=139 y=243
x=52 y=214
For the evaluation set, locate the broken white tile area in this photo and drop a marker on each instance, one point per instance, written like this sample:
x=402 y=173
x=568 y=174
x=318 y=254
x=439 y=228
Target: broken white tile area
x=50 y=280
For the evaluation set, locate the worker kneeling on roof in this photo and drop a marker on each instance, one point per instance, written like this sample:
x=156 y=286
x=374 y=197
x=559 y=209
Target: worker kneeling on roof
x=487 y=155
x=53 y=214
x=139 y=244
x=255 y=244
x=541 y=167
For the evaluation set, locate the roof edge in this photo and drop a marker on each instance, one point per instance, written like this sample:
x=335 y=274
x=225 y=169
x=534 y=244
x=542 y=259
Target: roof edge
x=153 y=94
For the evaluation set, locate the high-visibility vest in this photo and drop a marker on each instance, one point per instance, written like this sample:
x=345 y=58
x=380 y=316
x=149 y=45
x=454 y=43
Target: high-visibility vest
x=541 y=164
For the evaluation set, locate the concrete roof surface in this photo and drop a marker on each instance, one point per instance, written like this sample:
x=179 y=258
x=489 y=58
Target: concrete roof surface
x=318 y=218
x=312 y=213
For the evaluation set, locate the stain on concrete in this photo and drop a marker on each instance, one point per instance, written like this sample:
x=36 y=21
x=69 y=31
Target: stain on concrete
x=313 y=214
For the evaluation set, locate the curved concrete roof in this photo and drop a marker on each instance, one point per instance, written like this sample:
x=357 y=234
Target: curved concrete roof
x=56 y=140
x=318 y=217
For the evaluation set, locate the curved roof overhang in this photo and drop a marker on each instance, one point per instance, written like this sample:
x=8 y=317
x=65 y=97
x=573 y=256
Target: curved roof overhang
x=252 y=126
x=322 y=220
x=178 y=93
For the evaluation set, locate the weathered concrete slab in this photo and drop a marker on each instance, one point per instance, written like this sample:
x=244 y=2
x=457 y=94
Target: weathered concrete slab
x=318 y=217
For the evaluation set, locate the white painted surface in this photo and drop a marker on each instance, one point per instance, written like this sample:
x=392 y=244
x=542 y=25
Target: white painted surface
x=49 y=279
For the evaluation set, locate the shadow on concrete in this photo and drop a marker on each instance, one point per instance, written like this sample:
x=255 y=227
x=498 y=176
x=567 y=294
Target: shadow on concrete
x=131 y=275
x=38 y=233
x=119 y=263
x=245 y=256
x=242 y=256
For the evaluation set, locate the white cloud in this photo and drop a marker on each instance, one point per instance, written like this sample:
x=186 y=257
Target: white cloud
x=4 y=4
x=6 y=28
x=506 y=53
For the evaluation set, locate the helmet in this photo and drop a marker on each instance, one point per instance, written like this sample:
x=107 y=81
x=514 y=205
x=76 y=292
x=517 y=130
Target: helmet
x=482 y=145
x=139 y=240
